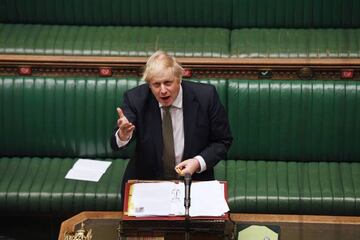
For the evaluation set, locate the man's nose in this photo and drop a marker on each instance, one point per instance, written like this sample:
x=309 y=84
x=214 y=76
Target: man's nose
x=162 y=88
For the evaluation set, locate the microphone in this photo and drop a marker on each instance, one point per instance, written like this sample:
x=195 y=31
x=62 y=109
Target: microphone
x=187 y=200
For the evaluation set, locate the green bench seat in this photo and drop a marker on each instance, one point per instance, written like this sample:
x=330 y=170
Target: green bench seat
x=121 y=41
x=295 y=43
x=295 y=146
x=46 y=125
x=289 y=187
x=190 y=28
x=112 y=40
x=37 y=185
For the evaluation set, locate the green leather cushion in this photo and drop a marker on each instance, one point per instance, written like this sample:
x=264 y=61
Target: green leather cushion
x=294 y=120
x=191 y=13
x=113 y=41
x=38 y=185
x=295 y=43
x=328 y=188
x=296 y=13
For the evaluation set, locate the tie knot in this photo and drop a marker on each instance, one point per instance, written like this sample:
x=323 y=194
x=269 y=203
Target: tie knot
x=166 y=108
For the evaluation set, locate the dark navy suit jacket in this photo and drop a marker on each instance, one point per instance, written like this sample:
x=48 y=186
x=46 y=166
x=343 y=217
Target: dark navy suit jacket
x=206 y=130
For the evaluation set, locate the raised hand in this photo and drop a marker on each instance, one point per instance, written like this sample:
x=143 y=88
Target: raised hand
x=126 y=128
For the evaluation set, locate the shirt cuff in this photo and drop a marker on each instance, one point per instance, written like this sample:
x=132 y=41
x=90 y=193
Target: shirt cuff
x=119 y=142
x=201 y=162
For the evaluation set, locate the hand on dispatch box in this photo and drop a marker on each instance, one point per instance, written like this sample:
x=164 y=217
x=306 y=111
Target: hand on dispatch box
x=188 y=166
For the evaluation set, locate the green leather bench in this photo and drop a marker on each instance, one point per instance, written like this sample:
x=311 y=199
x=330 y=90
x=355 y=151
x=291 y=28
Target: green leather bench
x=116 y=28
x=295 y=146
x=46 y=125
x=189 y=28
x=295 y=29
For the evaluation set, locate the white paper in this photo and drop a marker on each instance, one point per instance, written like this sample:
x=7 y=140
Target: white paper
x=155 y=199
x=207 y=199
x=88 y=170
x=167 y=198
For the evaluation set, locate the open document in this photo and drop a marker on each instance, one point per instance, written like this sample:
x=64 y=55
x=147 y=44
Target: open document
x=167 y=199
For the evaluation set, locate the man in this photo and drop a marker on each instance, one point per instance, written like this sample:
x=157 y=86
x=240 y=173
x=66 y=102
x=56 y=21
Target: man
x=199 y=134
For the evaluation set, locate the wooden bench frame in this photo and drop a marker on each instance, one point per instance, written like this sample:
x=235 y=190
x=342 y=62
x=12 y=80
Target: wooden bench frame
x=246 y=68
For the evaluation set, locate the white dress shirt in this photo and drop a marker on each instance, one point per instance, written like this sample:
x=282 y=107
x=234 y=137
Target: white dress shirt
x=177 y=119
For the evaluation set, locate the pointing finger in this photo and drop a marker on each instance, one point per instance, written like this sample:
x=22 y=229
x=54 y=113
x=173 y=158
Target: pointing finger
x=120 y=112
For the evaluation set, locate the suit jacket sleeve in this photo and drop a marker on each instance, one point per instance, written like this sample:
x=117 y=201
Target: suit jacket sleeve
x=220 y=137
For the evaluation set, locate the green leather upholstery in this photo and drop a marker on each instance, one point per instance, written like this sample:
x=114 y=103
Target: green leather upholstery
x=187 y=13
x=197 y=28
x=295 y=146
x=46 y=125
x=184 y=13
x=75 y=116
x=113 y=41
x=62 y=117
x=257 y=186
x=295 y=120
x=295 y=43
x=37 y=185
x=295 y=13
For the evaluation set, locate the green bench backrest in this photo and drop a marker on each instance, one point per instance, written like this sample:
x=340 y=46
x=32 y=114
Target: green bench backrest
x=186 y=13
x=296 y=13
x=294 y=120
x=270 y=119
x=64 y=117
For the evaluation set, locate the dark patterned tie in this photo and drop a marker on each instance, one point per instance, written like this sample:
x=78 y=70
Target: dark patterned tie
x=168 y=141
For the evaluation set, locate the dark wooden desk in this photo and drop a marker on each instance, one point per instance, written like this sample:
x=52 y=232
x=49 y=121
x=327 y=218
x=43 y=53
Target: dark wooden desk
x=105 y=225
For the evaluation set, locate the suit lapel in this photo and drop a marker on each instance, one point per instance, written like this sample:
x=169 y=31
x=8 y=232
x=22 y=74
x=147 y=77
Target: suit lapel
x=190 y=111
x=154 y=122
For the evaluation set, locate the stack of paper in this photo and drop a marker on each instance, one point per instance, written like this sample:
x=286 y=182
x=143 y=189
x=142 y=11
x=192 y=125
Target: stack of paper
x=207 y=199
x=156 y=199
x=167 y=198
x=88 y=170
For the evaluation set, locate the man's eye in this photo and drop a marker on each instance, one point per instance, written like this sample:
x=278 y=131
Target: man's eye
x=156 y=85
x=168 y=83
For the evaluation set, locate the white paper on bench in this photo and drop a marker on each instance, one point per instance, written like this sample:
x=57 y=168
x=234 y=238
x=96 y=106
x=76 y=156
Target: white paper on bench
x=88 y=170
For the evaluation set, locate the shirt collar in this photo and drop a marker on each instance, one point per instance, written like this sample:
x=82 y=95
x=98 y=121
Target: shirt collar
x=178 y=102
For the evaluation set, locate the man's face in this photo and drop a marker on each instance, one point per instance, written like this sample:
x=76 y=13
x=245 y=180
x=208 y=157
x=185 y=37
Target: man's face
x=165 y=88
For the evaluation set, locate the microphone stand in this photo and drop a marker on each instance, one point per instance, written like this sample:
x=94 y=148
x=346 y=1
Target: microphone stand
x=187 y=200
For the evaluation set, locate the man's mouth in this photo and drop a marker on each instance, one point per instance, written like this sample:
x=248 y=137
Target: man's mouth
x=165 y=98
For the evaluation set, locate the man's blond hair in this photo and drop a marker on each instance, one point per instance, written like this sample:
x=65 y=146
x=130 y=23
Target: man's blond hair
x=159 y=63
